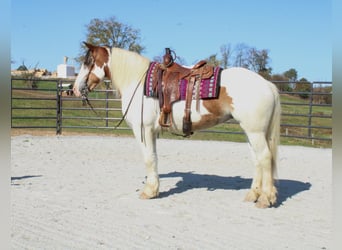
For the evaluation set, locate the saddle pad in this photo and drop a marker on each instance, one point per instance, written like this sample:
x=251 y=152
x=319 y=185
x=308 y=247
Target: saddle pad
x=208 y=88
x=148 y=87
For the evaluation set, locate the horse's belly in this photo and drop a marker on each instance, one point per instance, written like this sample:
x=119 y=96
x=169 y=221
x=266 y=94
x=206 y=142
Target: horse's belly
x=201 y=117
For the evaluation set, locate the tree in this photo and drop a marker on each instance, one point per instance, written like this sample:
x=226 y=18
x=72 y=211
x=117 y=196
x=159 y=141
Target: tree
x=281 y=82
x=22 y=68
x=29 y=75
x=303 y=86
x=112 y=33
x=291 y=74
x=226 y=53
x=252 y=58
x=258 y=59
x=267 y=73
x=241 y=55
x=213 y=61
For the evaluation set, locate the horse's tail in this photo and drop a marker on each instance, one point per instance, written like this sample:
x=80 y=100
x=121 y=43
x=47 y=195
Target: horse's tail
x=273 y=133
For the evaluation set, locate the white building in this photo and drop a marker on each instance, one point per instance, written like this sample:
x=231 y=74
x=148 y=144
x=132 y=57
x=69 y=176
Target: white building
x=64 y=70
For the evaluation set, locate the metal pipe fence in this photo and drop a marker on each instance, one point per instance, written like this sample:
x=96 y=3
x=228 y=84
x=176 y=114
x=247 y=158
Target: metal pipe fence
x=49 y=104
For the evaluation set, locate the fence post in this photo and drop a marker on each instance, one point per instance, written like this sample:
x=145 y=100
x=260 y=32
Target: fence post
x=107 y=82
x=11 y=102
x=310 y=110
x=59 y=107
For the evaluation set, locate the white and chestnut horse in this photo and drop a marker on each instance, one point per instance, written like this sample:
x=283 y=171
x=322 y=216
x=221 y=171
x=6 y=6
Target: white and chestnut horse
x=244 y=95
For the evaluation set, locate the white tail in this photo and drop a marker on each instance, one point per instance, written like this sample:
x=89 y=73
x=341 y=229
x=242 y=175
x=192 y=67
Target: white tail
x=273 y=133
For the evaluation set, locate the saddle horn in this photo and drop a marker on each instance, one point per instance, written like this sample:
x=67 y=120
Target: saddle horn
x=168 y=59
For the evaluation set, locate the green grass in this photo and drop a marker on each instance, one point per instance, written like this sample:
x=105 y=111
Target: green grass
x=82 y=117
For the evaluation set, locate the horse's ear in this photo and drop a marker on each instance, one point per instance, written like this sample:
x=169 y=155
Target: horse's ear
x=89 y=46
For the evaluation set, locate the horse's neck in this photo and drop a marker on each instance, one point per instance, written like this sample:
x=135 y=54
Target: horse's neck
x=127 y=68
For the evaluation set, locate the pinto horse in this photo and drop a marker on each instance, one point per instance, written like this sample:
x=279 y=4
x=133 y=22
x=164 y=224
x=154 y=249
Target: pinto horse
x=244 y=95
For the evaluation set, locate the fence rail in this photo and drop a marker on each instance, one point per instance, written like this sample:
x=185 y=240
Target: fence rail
x=49 y=103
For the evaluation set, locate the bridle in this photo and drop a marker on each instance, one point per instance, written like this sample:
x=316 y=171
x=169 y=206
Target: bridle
x=89 y=62
x=85 y=91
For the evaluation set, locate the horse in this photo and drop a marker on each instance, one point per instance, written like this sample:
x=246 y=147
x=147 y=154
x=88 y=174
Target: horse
x=244 y=95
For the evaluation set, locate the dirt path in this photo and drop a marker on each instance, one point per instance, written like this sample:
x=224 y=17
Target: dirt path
x=81 y=192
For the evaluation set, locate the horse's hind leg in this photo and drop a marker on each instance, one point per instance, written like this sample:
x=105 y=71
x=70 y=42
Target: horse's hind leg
x=262 y=191
x=148 y=146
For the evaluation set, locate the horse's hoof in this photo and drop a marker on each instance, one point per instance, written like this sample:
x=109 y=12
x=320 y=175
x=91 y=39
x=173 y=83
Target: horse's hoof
x=149 y=193
x=145 y=196
x=263 y=202
x=251 y=196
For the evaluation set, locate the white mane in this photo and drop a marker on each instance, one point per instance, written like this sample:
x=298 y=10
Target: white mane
x=127 y=67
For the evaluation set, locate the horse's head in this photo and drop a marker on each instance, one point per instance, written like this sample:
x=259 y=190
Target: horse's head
x=93 y=70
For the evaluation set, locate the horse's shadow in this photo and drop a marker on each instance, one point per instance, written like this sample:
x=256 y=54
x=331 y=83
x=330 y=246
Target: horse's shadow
x=190 y=180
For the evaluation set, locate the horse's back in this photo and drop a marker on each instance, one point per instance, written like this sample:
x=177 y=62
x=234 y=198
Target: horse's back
x=243 y=80
x=253 y=97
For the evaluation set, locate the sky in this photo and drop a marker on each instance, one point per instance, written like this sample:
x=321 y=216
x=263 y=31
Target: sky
x=297 y=33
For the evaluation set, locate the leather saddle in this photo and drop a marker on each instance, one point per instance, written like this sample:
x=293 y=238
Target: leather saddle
x=169 y=75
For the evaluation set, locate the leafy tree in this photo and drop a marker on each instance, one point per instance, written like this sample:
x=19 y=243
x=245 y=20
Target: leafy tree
x=266 y=73
x=303 y=86
x=291 y=74
x=281 y=82
x=112 y=33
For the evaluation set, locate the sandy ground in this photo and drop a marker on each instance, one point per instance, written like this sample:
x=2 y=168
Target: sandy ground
x=81 y=192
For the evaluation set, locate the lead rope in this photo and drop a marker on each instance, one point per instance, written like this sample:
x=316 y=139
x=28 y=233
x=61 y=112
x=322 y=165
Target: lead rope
x=85 y=101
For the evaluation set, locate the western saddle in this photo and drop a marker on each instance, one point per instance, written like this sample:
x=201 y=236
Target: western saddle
x=169 y=75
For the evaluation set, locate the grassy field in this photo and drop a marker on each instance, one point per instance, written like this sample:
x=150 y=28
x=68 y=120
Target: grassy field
x=42 y=113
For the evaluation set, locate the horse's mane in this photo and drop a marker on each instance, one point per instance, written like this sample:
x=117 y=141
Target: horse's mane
x=127 y=67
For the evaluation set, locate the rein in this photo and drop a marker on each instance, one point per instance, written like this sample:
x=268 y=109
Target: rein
x=85 y=101
x=130 y=102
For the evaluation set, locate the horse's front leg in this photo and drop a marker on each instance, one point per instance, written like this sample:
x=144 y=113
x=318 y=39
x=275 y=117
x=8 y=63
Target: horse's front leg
x=148 y=145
